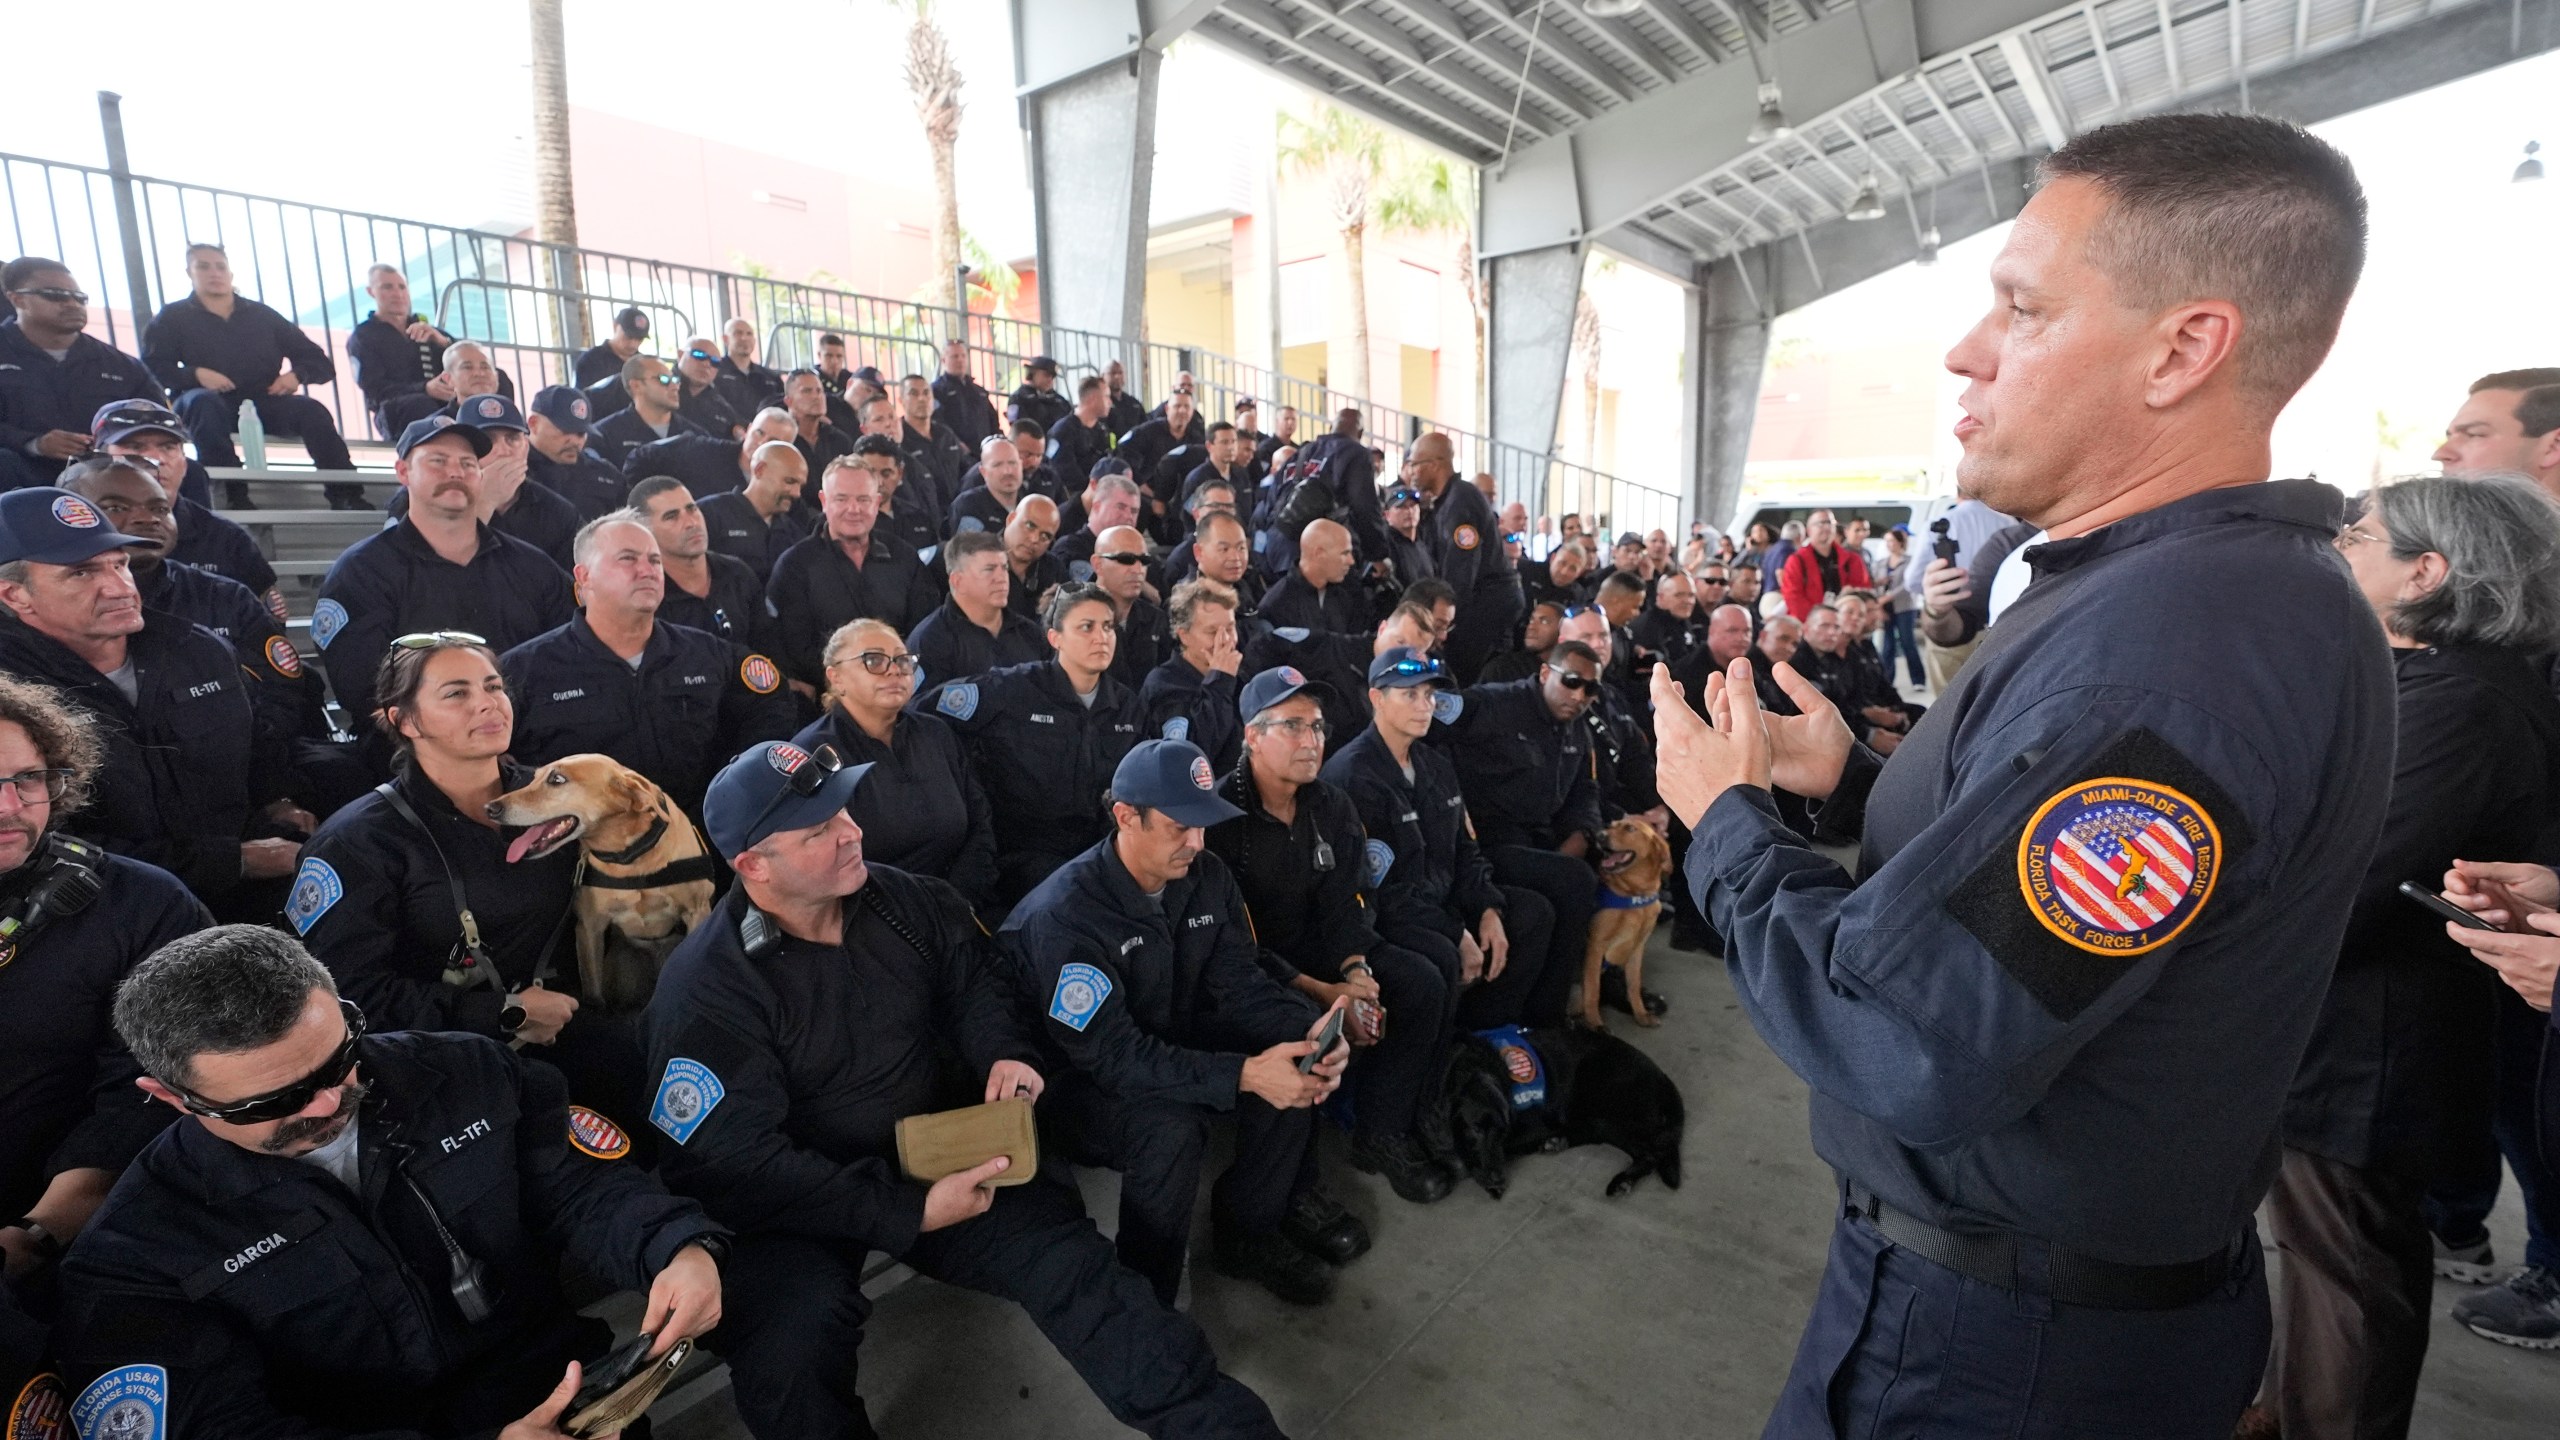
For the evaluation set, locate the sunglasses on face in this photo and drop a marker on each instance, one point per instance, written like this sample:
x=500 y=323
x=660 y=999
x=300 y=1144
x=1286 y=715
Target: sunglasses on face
x=436 y=640
x=1571 y=681
x=804 y=781
x=293 y=1099
x=1713 y=580
x=54 y=293
x=700 y=355
x=1123 y=557
x=881 y=662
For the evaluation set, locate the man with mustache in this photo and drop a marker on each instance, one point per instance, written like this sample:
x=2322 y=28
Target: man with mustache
x=353 y=1232
x=63 y=1137
x=188 y=766
x=440 y=567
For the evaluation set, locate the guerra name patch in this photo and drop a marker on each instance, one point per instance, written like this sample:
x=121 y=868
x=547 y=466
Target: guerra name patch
x=2118 y=866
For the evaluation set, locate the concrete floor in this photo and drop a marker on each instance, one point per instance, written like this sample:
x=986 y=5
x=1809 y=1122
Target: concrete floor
x=1552 y=1312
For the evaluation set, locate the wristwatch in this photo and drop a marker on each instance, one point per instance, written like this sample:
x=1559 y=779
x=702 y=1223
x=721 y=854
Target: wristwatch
x=511 y=1015
x=47 y=1248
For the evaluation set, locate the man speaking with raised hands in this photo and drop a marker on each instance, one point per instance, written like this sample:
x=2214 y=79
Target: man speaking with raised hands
x=2050 y=1023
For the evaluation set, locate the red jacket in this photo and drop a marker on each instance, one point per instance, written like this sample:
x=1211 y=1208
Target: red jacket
x=1800 y=581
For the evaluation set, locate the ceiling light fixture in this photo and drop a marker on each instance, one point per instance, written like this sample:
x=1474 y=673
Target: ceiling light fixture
x=1772 y=124
x=1611 y=9
x=1866 y=205
x=2531 y=169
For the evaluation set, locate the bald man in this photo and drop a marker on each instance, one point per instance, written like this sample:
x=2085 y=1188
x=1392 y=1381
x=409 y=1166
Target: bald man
x=1028 y=536
x=756 y=524
x=1315 y=595
x=1465 y=539
x=1120 y=568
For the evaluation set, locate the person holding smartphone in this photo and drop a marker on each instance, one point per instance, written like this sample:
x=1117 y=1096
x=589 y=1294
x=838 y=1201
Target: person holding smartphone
x=2398 y=1088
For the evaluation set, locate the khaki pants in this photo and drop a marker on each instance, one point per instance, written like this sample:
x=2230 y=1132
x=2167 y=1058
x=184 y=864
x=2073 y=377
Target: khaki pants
x=1944 y=661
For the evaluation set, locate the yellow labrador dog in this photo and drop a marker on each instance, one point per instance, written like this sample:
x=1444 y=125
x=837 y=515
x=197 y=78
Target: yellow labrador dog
x=647 y=876
x=1634 y=861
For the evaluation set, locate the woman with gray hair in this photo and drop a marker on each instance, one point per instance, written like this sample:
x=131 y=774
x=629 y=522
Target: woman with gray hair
x=2464 y=576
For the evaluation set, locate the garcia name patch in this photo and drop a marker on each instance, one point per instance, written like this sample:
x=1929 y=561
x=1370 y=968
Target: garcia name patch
x=130 y=1403
x=687 y=1094
x=593 y=1135
x=2118 y=866
x=1081 y=991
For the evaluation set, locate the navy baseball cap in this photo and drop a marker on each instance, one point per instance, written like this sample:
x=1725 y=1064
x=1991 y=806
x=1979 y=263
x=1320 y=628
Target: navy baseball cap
x=773 y=787
x=492 y=412
x=116 y=422
x=1403 y=495
x=870 y=375
x=1273 y=686
x=1040 y=362
x=632 y=321
x=1403 y=667
x=1174 y=777
x=1109 y=465
x=422 y=431
x=52 y=526
x=564 y=406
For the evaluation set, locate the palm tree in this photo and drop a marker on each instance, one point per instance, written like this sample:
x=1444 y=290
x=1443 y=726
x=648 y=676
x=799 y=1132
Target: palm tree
x=555 y=200
x=1347 y=151
x=934 y=80
x=1430 y=194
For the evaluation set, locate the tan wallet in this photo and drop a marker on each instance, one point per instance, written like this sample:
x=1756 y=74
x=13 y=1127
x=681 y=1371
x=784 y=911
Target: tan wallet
x=950 y=1141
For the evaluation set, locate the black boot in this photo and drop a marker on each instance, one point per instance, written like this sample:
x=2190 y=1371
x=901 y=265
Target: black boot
x=1273 y=1263
x=235 y=496
x=1317 y=1224
x=1410 y=1170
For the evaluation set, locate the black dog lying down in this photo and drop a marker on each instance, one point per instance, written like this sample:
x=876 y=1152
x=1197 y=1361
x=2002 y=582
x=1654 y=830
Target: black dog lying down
x=1599 y=1090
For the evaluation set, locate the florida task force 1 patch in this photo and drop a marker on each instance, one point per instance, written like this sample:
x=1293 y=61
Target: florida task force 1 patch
x=2118 y=866
x=593 y=1135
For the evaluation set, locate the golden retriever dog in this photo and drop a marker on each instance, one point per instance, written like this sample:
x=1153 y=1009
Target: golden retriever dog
x=646 y=877
x=1634 y=861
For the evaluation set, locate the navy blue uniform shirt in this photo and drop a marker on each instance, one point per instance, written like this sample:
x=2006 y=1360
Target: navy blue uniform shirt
x=395 y=584
x=1044 y=756
x=2101 y=889
x=1529 y=778
x=921 y=808
x=695 y=701
x=250 y=347
x=67 y=1098
x=948 y=645
x=815 y=589
x=277 y=1301
x=39 y=393
x=737 y=530
x=809 y=1055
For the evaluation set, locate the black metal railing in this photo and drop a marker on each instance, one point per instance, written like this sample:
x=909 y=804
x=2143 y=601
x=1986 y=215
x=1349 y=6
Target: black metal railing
x=536 y=306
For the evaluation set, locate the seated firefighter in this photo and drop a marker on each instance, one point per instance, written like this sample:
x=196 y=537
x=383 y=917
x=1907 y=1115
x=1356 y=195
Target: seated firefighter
x=352 y=1232
x=791 y=1033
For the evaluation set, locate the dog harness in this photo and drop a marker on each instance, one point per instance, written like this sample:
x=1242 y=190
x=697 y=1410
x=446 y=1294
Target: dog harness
x=1609 y=899
x=1524 y=1070
x=691 y=868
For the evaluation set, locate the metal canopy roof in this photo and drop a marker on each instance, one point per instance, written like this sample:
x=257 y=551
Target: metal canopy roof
x=1489 y=79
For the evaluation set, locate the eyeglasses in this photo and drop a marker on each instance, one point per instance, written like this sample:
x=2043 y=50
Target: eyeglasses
x=804 y=780
x=881 y=662
x=293 y=1099
x=1295 y=729
x=2351 y=537
x=39 y=786
x=700 y=355
x=436 y=640
x=54 y=293
x=1122 y=557
x=1571 y=681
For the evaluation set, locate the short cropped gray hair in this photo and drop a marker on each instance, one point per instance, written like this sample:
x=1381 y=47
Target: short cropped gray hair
x=583 y=545
x=217 y=992
x=2500 y=539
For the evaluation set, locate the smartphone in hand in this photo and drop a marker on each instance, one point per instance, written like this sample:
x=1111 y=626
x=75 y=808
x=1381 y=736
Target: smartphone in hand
x=2443 y=908
x=1326 y=1038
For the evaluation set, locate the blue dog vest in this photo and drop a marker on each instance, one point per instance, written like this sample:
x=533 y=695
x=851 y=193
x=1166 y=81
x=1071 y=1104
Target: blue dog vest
x=1524 y=1071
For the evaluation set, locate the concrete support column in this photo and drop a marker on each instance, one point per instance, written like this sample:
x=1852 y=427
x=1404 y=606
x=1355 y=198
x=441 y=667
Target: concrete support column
x=1530 y=335
x=1093 y=150
x=1729 y=350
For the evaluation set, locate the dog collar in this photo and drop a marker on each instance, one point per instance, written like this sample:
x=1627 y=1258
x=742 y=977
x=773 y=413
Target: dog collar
x=649 y=841
x=697 y=867
x=1611 y=900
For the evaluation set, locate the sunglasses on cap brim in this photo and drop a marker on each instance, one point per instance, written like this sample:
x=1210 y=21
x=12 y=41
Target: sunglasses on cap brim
x=803 y=781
